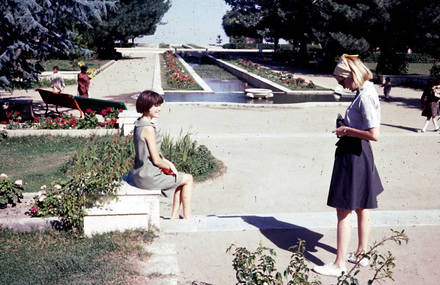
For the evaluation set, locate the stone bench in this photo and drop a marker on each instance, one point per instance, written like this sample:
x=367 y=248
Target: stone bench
x=133 y=208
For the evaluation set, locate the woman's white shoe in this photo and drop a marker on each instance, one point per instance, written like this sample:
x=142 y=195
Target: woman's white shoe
x=330 y=270
x=351 y=257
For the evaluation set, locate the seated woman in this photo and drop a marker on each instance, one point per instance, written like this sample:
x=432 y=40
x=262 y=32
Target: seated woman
x=151 y=170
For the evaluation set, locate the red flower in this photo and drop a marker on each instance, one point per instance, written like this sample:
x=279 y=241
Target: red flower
x=120 y=110
x=88 y=111
x=167 y=171
x=73 y=122
x=3 y=122
x=35 y=209
x=8 y=115
x=104 y=112
x=36 y=119
x=102 y=124
x=17 y=113
x=109 y=109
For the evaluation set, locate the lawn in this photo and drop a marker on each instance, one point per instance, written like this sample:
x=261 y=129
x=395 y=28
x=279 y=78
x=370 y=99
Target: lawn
x=37 y=160
x=51 y=257
x=72 y=65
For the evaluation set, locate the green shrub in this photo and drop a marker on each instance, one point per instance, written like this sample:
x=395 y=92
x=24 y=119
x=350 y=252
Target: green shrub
x=190 y=157
x=94 y=172
x=10 y=192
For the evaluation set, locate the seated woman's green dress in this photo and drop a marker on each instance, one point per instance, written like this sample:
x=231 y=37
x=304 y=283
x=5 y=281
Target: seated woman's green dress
x=146 y=175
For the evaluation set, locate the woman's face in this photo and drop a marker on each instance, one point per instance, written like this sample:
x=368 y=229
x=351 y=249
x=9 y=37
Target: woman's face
x=347 y=83
x=154 y=111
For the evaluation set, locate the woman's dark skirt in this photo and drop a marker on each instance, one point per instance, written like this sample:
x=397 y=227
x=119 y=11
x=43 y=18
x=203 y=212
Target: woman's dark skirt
x=355 y=182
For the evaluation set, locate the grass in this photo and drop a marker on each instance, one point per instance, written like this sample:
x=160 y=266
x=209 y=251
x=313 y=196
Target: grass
x=45 y=83
x=72 y=65
x=413 y=68
x=50 y=257
x=163 y=45
x=37 y=160
x=213 y=71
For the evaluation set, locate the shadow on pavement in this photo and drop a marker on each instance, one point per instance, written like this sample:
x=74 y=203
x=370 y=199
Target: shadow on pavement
x=284 y=235
x=401 y=127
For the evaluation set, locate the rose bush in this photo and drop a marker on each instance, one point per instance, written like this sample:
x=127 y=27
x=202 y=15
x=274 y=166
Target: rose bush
x=10 y=192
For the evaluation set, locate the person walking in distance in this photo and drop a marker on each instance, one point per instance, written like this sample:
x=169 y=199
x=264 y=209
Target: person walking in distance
x=83 y=82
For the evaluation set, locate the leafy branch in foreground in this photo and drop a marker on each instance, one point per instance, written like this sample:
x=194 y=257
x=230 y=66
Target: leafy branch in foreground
x=380 y=263
x=259 y=267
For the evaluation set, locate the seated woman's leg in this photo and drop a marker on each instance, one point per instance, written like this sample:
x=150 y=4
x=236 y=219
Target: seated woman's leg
x=182 y=195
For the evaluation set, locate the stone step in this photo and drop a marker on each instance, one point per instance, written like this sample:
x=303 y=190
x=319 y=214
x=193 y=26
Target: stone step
x=132 y=208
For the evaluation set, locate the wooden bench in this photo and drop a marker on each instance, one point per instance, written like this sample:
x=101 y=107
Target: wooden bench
x=133 y=208
x=77 y=102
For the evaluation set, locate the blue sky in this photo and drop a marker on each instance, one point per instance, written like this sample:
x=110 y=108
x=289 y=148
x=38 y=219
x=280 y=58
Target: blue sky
x=191 y=21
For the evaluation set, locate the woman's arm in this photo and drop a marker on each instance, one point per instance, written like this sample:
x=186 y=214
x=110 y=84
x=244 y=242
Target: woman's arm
x=370 y=134
x=148 y=134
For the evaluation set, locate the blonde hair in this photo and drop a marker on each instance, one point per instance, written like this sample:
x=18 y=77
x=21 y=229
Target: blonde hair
x=359 y=72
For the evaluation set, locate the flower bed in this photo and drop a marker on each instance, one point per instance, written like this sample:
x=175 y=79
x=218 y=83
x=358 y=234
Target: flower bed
x=284 y=78
x=177 y=77
x=65 y=121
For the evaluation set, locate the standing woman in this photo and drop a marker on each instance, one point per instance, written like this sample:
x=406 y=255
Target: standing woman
x=429 y=103
x=355 y=182
x=151 y=169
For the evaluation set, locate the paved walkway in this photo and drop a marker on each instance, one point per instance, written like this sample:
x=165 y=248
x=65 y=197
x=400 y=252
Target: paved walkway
x=279 y=162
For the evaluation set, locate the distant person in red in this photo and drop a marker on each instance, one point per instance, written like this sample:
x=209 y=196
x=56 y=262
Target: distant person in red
x=83 y=82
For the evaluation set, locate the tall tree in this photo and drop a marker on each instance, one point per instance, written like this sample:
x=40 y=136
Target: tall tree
x=130 y=19
x=33 y=30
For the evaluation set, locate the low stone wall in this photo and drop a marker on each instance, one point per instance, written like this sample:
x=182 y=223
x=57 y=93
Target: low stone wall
x=65 y=133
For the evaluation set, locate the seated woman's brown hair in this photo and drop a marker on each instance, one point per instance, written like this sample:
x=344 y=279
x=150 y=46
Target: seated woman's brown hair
x=146 y=100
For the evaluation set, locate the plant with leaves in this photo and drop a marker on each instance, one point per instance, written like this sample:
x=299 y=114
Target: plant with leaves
x=381 y=264
x=39 y=29
x=258 y=267
x=10 y=192
x=93 y=174
x=189 y=157
x=297 y=271
x=90 y=120
x=247 y=271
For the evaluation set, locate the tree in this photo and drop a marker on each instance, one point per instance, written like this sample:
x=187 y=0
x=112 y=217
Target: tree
x=33 y=30
x=256 y=19
x=130 y=19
